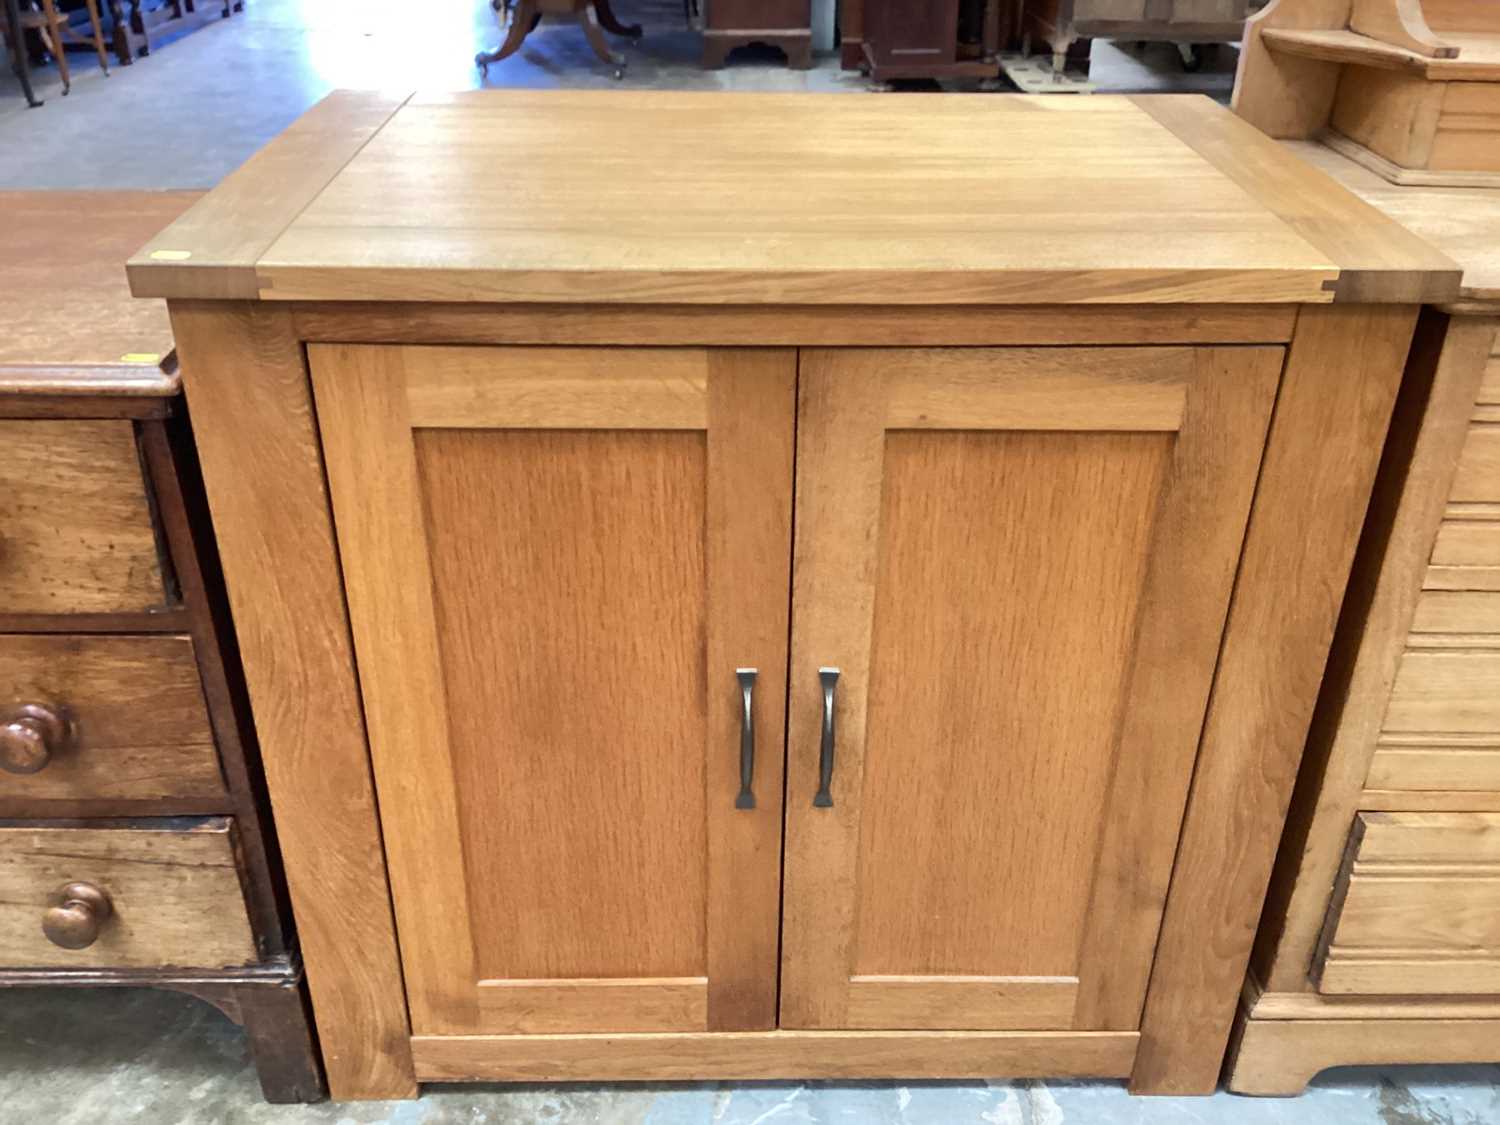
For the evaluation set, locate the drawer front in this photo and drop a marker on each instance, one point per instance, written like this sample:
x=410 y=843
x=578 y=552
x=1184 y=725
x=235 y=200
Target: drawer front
x=132 y=721
x=1478 y=477
x=172 y=890
x=1445 y=691
x=1416 y=910
x=76 y=534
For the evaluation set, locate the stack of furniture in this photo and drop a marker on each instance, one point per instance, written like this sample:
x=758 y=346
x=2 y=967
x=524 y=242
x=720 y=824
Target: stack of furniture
x=135 y=846
x=1036 y=666
x=1381 y=938
x=1408 y=88
x=786 y=24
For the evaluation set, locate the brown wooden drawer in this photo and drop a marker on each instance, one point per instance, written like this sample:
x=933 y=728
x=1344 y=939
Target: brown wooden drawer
x=1454 y=691
x=1416 y=909
x=76 y=534
x=173 y=888
x=1477 y=479
x=136 y=724
x=1466 y=553
x=1465 y=763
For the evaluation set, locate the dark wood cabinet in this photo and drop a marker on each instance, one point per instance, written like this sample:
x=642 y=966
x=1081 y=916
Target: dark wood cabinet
x=928 y=38
x=778 y=23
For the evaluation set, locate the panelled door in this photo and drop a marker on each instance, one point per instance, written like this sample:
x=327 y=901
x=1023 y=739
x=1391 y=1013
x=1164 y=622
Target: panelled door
x=567 y=573
x=1011 y=575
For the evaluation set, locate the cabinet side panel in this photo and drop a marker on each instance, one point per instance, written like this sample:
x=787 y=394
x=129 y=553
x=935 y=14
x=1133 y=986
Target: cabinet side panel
x=1340 y=382
x=262 y=466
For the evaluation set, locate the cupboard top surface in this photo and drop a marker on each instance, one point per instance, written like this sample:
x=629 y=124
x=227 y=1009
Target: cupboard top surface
x=1462 y=222
x=646 y=197
x=70 y=325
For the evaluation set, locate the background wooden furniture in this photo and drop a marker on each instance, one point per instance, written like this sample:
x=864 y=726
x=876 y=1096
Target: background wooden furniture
x=594 y=16
x=1408 y=88
x=1380 y=943
x=929 y=38
x=135 y=846
x=137 y=22
x=55 y=32
x=481 y=439
x=786 y=24
x=1062 y=23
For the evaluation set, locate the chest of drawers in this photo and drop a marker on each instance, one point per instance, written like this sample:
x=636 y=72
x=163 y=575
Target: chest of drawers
x=1381 y=936
x=135 y=846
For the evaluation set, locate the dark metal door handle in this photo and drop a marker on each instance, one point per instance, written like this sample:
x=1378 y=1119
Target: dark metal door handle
x=746 y=799
x=828 y=677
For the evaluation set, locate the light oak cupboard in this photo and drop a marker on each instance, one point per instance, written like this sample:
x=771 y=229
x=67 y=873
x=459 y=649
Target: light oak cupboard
x=806 y=636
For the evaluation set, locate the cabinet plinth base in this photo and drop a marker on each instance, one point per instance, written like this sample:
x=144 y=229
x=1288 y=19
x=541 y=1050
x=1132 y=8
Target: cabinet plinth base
x=747 y=1055
x=1278 y=1058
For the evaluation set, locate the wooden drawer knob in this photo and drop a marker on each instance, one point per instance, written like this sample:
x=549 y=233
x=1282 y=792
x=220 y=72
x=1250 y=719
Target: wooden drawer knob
x=31 y=735
x=78 y=913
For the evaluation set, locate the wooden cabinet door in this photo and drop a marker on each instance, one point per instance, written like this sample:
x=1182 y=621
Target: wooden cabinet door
x=557 y=560
x=1019 y=561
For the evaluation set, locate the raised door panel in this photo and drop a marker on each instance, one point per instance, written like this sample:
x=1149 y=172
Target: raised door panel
x=1018 y=561
x=559 y=562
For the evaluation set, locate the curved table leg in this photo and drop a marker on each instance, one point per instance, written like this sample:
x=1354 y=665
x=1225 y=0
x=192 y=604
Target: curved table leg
x=611 y=22
x=21 y=64
x=522 y=20
x=588 y=17
x=590 y=21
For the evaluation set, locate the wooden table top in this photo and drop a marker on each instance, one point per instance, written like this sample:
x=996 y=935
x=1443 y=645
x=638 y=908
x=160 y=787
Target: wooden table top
x=649 y=197
x=71 y=325
x=1462 y=222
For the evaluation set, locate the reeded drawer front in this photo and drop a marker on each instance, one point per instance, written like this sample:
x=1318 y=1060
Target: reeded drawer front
x=103 y=717
x=1416 y=909
x=167 y=893
x=1446 y=691
x=76 y=534
x=1478 y=476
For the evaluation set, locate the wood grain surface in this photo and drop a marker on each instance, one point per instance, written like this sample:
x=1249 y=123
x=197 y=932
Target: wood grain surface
x=1024 y=603
x=1338 y=389
x=888 y=201
x=248 y=388
x=138 y=724
x=775 y=1055
x=1464 y=223
x=76 y=529
x=175 y=895
x=72 y=326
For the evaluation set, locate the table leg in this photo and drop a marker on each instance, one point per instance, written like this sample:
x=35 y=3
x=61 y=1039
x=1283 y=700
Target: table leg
x=522 y=20
x=54 y=40
x=589 y=19
x=20 y=63
x=611 y=22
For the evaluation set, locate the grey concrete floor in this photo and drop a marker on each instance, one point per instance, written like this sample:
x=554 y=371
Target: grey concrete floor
x=199 y=105
x=185 y=117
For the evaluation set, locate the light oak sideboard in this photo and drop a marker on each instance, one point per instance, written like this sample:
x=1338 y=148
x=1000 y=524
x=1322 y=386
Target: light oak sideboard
x=847 y=607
